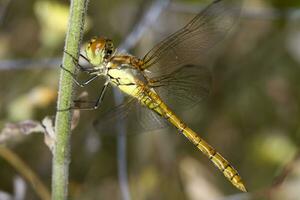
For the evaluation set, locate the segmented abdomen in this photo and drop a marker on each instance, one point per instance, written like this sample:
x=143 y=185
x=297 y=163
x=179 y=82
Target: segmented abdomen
x=150 y=99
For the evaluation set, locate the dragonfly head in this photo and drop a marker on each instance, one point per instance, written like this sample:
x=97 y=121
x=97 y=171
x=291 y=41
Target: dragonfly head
x=99 y=50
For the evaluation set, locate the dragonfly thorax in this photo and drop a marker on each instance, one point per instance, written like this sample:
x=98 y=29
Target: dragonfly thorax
x=126 y=77
x=99 y=51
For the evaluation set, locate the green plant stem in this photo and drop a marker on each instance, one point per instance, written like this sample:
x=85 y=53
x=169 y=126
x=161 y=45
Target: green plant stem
x=61 y=154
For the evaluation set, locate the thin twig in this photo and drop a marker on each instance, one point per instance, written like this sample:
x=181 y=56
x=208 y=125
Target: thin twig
x=121 y=151
x=61 y=156
x=268 y=192
x=286 y=170
x=3 y=9
x=24 y=64
x=130 y=41
x=139 y=29
x=15 y=130
x=26 y=172
x=252 y=13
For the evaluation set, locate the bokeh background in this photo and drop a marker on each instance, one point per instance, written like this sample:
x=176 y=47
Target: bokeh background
x=252 y=115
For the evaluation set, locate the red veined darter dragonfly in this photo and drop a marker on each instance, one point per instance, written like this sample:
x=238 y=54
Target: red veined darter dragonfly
x=173 y=59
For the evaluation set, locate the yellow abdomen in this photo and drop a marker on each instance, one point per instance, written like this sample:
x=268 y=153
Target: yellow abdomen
x=148 y=97
x=153 y=102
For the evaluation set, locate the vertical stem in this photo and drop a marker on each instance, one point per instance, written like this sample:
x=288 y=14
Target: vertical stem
x=121 y=151
x=130 y=41
x=61 y=155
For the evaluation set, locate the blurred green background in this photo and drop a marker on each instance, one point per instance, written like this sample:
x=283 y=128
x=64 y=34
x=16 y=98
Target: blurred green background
x=252 y=115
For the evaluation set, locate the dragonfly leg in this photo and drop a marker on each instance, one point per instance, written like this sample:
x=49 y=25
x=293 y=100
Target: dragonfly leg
x=85 y=58
x=89 y=105
x=101 y=96
x=78 y=66
x=80 y=84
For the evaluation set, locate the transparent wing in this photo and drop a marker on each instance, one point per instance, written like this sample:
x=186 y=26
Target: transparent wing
x=136 y=117
x=187 y=85
x=179 y=80
x=191 y=43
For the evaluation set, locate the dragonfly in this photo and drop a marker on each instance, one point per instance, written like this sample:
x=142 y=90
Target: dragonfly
x=170 y=65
